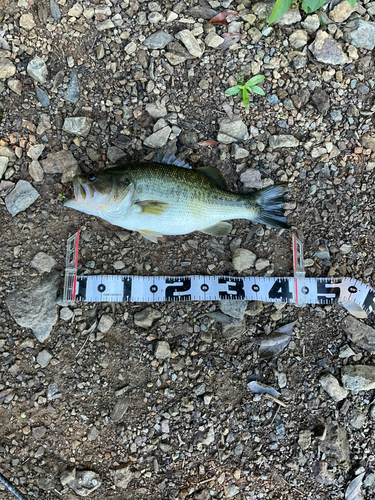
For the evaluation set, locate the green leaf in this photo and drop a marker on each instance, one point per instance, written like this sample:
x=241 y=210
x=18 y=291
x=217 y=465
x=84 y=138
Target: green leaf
x=234 y=90
x=310 y=6
x=245 y=98
x=254 y=80
x=279 y=9
x=352 y=2
x=258 y=90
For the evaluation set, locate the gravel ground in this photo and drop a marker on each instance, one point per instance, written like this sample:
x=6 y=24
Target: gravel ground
x=131 y=401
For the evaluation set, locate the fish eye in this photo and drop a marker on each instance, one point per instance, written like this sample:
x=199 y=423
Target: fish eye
x=91 y=177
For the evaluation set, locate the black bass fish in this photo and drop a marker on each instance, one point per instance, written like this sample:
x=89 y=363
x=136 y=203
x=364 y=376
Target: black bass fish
x=170 y=198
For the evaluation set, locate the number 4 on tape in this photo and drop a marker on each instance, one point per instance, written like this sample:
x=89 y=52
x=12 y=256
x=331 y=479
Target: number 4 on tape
x=355 y=296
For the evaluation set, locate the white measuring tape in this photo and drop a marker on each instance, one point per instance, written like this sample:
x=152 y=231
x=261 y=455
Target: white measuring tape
x=355 y=296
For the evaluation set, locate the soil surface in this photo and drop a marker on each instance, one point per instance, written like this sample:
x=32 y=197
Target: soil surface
x=157 y=406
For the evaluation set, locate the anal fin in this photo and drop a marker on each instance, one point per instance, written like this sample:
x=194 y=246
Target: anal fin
x=150 y=235
x=219 y=229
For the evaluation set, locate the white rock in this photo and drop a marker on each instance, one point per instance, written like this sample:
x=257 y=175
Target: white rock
x=243 y=259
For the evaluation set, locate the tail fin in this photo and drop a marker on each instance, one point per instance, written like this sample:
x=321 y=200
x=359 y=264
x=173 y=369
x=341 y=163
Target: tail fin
x=270 y=202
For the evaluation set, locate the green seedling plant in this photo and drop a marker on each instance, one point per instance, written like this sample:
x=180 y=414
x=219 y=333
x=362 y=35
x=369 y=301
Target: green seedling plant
x=243 y=89
x=309 y=6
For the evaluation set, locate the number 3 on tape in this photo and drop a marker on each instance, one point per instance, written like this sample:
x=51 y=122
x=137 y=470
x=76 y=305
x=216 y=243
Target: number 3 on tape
x=355 y=296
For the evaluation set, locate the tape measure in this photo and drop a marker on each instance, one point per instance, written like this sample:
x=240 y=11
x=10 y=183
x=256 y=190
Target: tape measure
x=355 y=296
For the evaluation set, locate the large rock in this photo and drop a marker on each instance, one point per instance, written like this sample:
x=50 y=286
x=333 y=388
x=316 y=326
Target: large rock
x=336 y=446
x=158 y=40
x=233 y=130
x=34 y=306
x=190 y=42
x=358 y=377
x=341 y=12
x=37 y=69
x=145 y=318
x=57 y=163
x=158 y=139
x=283 y=141
x=7 y=68
x=321 y=100
x=243 y=259
x=331 y=385
x=361 y=334
x=78 y=125
x=326 y=50
x=360 y=33
x=22 y=196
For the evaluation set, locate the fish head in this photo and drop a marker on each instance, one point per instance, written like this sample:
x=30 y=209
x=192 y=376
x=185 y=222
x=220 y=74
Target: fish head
x=98 y=193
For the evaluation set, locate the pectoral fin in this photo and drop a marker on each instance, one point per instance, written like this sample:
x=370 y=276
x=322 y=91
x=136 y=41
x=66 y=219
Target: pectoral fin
x=219 y=229
x=214 y=175
x=152 y=207
x=150 y=235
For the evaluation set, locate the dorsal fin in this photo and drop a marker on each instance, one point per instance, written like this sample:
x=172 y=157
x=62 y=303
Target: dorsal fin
x=214 y=175
x=169 y=159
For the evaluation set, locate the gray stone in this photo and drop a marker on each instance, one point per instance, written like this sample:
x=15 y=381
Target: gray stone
x=262 y=10
x=76 y=10
x=358 y=377
x=34 y=306
x=7 y=152
x=66 y=314
x=36 y=171
x=43 y=262
x=361 y=334
x=298 y=39
x=43 y=358
x=326 y=50
x=115 y=154
x=372 y=411
x=368 y=142
x=35 y=151
x=358 y=419
x=119 y=409
x=57 y=163
x=213 y=40
x=22 y=196
x=232 y=490
x=261 y=264
x=105 y=324
x=341 y=12
x=190 y=42
x=321 y=101
x=158 y=40
x=254 y=308
x=72 y=92
x=162 y=350
x=369 y=482
x=336 y=446
x=44 y=124
x=67 y=477
x=232 y=130
x=283 y=141
x=7 y=68
x=291 y=17
x=37 y=69
x=239 y=153
x=145 y=318
x=156 y=109
x=158 y=139
x=311 y=23
x=3 y=165
x=78 y=125
x=360 y=33
x=251 y=178
x=304 y=439
x=243 y=259
x=331 y=385
x=122 y=476
x=233 y=308
x=84 y=482
x=321 y=473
